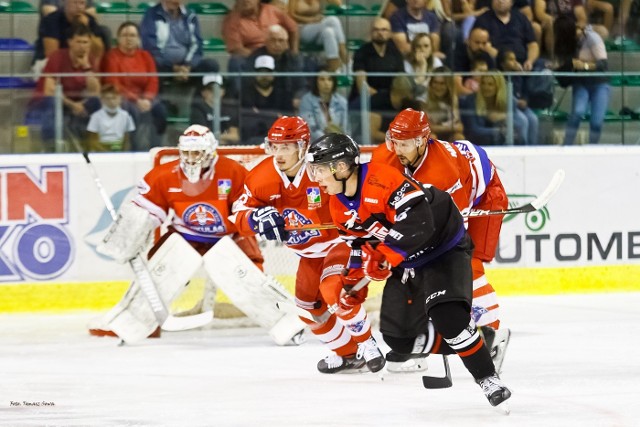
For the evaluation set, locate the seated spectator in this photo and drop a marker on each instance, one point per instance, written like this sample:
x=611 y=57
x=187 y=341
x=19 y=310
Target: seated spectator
x=324 y=110
x=479 y=64
x=54 y=28
x=545 y=13
x=317 y=29
x=140 y=92
x=245 y=28
x=411 y=20
x=484 y=114
x=509 y=29
x=464 y=13
x=386 y=104
x=380 y=55
x=79 y=91
x=478 y=44
x=277 y=46
x=581 y=49
x=442 y=105
x=420 y=63
x=110 y=126
x=262 y=101
x=203 y=110
x=171 y=33
x=524 y=117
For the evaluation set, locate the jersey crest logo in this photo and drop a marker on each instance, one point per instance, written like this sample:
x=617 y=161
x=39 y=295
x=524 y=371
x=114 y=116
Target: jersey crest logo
x=204 y=218
x=314 y=198
x=295 y=219
x=224 y=188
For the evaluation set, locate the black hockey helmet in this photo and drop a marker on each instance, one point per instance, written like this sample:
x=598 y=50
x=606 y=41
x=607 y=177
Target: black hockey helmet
x=333 y=148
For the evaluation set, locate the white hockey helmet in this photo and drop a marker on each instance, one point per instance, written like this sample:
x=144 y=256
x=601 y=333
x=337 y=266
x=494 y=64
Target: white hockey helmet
x=197 y=147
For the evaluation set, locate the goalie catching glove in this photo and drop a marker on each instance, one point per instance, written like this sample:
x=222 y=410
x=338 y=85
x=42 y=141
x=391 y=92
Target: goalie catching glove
x=269 y=223
x=129 y=235
x=375 y=264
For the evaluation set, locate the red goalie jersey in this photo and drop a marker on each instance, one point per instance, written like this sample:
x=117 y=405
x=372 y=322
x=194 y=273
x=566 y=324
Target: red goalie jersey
x=300 y=202
x=201 y=209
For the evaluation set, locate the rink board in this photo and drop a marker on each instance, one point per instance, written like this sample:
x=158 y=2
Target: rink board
x=587 y=239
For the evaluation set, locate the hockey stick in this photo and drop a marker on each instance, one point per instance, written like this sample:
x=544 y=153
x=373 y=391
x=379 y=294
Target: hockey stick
x=538 y=203
x=160 y=311
x=439 y=382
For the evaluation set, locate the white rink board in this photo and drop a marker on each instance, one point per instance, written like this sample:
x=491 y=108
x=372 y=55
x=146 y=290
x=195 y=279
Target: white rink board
x=598 y=201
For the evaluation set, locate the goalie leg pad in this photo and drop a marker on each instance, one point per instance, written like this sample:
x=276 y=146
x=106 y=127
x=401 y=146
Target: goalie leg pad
x=171 y=267
x=251 y=290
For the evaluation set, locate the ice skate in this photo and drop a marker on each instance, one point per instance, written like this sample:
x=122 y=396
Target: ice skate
x=371 y=353
x=412 y=362
x=494 y=389
x=345 y=364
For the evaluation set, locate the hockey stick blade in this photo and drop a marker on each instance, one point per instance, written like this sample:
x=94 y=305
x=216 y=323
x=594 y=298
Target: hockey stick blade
x=439 y=382
x=175 y=324
x=538 y=203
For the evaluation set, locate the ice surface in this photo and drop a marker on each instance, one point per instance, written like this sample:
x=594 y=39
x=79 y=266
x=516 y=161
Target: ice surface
x=573 y=361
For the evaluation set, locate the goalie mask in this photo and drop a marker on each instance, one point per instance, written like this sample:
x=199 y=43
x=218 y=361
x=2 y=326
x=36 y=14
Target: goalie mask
x=197 y=147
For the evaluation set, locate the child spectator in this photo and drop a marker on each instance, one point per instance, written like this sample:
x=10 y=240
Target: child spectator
x=109 y=127
x=202 y=109
x=479 y=64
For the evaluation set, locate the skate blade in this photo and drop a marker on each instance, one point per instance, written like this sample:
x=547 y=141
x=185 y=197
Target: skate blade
x=503 y=408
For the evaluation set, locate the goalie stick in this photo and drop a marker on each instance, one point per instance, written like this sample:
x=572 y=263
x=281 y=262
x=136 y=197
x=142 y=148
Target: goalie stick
x=160 y=311
x=536 y=204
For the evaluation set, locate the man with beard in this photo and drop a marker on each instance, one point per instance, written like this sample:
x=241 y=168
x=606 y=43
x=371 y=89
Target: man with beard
x=262 y=101
x=380 y=55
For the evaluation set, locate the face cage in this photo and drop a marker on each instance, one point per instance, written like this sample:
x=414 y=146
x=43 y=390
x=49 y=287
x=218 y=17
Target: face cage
x=193 y=168
x=270 y=151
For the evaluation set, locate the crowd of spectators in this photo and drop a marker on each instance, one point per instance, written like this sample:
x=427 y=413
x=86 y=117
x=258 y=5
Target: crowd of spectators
x=415 y=47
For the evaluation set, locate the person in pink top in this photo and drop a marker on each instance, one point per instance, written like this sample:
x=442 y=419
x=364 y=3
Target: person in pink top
x=140 y=91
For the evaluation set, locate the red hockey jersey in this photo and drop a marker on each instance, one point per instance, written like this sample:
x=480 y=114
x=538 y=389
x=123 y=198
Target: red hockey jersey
x=300 y=202
x=201 y=209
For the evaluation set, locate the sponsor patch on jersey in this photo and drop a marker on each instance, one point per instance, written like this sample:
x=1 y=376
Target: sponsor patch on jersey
x=370 y=200
x=294 y=218
x=224 y=188
x=204 y=218
x=314 y=198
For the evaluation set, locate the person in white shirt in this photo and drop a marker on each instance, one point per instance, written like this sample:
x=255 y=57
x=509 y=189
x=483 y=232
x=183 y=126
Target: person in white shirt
x=109 y=128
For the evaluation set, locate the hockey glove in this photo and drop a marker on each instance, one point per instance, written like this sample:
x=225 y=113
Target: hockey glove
x=349 y=299
x=269 y=223
x=376 y=266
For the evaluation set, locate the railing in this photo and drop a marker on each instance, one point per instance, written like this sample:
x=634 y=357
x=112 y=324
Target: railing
x=620 y=122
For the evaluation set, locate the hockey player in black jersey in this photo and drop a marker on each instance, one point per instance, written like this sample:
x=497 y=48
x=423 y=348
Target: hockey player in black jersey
x=421 y=249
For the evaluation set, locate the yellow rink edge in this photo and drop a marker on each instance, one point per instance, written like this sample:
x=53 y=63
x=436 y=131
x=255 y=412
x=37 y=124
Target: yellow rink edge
x=61 y=297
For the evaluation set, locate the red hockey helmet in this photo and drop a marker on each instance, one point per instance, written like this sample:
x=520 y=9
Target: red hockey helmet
x=408 y=124
x=288 y=130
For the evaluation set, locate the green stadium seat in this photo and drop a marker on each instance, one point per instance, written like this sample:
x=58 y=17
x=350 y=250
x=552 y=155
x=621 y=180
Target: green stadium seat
x=142 y=7
x=209 y=8
x=351 y=9
x=354 y=44
x=625 y=81
x=213 y=45
x=625 y=45
x=344 y=81
x=17 y=7
x=113 y=7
